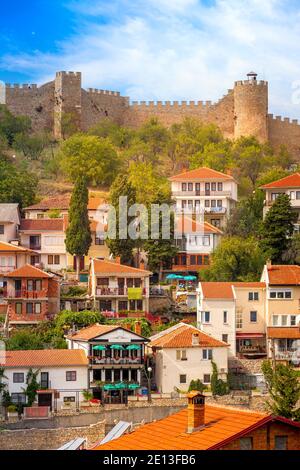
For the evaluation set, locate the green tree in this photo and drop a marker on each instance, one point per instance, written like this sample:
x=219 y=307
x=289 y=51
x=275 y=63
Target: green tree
x=196 y=385
x=247 y=217
x=23 y=339
x=235 y=259
x=3 y=385
x=66 y=320
x=69 y=125
x=16 y=185
x=218 y=386
x=292 y=254
x=277 y=228
x=11 y=125
x=90 y=156
x=32 y=386
x=32 y=146
x=284 y=388
x=121 y=244
x=149 y=187
x=78 y=233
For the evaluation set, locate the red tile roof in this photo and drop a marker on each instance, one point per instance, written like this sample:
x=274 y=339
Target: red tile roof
x=8 y=247
x=182 y=337
x=185 y=224
x=291 y=181
x=62 y=203
x=224 y=290
x=44 y=358
x=284 y=332
x=110 y=267
x=222 y=425
x=90 y=332
x=201 y=174
x=40 y=225
x=29 y=271
x=284 y=275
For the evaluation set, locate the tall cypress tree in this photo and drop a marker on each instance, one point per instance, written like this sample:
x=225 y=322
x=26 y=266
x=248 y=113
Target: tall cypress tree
x=119 y=246
x=78 y=234
x=277 y=228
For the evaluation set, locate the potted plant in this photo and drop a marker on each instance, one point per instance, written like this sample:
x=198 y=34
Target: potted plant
x=12 y=411
x=87 y=396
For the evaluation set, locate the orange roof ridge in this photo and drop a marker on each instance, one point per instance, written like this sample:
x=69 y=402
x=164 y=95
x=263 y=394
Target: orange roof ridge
x=117 y=268
x=45 y=357
x=292 y=180
x=29 y=271
x=4 y=246
x=201 y=173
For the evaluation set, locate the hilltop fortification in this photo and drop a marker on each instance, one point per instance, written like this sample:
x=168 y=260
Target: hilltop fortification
x=243 y=111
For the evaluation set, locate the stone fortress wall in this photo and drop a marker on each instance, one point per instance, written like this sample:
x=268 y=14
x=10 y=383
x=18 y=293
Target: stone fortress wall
x=243 y=111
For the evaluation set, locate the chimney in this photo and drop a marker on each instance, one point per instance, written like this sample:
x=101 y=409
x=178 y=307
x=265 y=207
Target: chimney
x=142 y=264
x=196 y=411
x=127 y=325
x=138 y=328
x=118 y=259
x=269 y=264
x=195 y=339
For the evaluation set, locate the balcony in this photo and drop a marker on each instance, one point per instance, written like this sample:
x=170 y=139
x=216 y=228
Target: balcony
x=201 y=210
x=35 y=246
x=287 y=354
x=115 y=292
x=7 y=269
x=202 y=193
x=94 y=360
x=24 y=294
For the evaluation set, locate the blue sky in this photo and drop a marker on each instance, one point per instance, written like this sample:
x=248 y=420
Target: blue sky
x=156 y=49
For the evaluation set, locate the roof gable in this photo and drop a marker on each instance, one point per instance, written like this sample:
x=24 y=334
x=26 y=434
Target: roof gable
x=290 y=181
x=182 y=337
x=9 y=247
x=97 y=331
x=110 y=267
x=29 y=271
x=284 y=275
x=201 y=173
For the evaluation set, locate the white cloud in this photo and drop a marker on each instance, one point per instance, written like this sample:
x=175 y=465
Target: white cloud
x=178 y=49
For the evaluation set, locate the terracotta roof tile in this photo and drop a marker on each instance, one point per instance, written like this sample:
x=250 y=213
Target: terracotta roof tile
x=90 y=332
x=291 y=181
x=185 y=224
x=8 y=247
x=284 y=332
x=62 y=203
x=224 y=290
x=182 y=337
x=170 y=433
x=29 y=271
x=110 y=267
x=44 y=358
x=40 y=225
x=201 y=174
x=284 y=274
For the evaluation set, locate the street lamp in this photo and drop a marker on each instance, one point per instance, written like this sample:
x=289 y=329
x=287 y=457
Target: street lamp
x=149 y=384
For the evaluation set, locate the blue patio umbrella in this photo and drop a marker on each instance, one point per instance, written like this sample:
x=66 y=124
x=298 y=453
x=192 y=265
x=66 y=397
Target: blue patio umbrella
x=133 y=386
x=190 y=278
x=134 y=347
x=171 y=276
x=117 y=346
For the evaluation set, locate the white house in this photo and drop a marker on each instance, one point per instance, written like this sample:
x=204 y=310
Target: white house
x=47 y=238
x=116 y=356
x=62 y=375
x=206 y=191
x=184 y=353
x=9 y=222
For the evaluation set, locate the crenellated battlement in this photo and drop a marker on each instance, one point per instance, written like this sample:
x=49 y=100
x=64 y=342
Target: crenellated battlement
x=250 y=83
x=63 y=73
x=18 y=86
x=102 y=92
x=284 y=119
x=171 y=104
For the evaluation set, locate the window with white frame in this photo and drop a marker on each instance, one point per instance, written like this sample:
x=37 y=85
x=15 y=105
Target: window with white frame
x=275 y=320
x=280 y=294
x=207 y=354
x=181 y=355
x=253 y=296
x=206 y=241
x=253 y=316
x=205 y=317
x=239 y=320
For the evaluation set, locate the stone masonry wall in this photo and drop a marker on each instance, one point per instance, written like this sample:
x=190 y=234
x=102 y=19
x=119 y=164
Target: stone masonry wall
x=49 y=439
x=242 y=111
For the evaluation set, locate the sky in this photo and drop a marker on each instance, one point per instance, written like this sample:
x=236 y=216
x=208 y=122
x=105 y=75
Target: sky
x=156 y=49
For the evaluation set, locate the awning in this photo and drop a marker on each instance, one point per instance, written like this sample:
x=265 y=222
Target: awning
x=282 y=332
x=134 y=347
x=99 y=347
x=249 y=335
x=46 y=391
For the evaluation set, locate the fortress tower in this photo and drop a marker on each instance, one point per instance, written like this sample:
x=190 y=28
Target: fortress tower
x=67 y=99
x=251 y=108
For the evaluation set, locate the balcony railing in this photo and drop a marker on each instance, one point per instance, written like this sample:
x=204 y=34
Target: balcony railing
x=115 y=291
x=201 y=210
x=7 y=269
x=94 y=360
x=202 y=193
x=24 y=294
x=287 y=354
